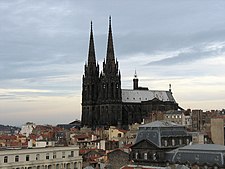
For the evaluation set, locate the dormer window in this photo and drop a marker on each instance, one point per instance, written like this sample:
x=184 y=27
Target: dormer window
x=145 y=156
x=165 y=143
x=173 y=142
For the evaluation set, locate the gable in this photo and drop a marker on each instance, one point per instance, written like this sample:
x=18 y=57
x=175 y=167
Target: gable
x=144 y=144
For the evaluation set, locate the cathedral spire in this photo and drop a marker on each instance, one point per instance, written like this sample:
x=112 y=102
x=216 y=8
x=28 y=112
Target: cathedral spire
x=110 y=58
x=91 y=53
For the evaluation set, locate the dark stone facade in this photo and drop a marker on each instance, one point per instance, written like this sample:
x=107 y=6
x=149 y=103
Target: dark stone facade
x=147 y=153
x=104 y=103
x=155 y=139
x=101 y=94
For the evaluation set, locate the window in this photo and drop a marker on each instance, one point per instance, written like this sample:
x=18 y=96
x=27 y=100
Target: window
x=217 y=158
x=165 y=143
x=119 y=134
x=145 y=156
x=63 y=154
x=173 y=142
x=72 y=153
x=188 y=141
x=6 y=159
x=16 y=158
x=197 y=157
x=136 y=155
x=178 y=156
x=27 y=158
x=154 y=156
x=180 y=141
x=54 y=154
x=38 y=157
x=47 y=156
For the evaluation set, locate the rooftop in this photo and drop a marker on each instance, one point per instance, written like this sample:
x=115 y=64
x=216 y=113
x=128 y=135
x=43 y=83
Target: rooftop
x=137 y=96
x=162 y=123
x=204 y=147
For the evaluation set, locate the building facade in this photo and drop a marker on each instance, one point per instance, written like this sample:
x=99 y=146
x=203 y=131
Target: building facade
x=198 y=156
x=217 y=126
x=41 y=158
x=105 y=104
x=155 y=139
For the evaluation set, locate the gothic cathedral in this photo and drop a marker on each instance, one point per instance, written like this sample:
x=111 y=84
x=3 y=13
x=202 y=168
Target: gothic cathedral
x=105 y=104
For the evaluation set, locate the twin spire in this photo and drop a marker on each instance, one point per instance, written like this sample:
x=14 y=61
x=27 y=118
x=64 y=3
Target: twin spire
x=110 y=57
x=91 y=53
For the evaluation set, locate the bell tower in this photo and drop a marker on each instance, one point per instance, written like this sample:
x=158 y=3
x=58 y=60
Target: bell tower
x=90 y=86
x=110 y=86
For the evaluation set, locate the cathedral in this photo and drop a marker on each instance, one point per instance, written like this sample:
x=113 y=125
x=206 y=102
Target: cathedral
x=105 y=104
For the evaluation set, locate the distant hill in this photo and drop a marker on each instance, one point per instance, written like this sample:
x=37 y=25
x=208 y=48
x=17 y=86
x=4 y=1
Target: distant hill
x=6 y=129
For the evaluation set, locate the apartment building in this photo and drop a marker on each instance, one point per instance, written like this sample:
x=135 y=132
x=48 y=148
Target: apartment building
x=41 y=158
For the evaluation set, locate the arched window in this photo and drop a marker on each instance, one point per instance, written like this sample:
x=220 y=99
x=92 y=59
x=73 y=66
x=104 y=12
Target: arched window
x=38 y=157
x=16 y=158
x=6 y=159
x=112 y=90
x=88 y=92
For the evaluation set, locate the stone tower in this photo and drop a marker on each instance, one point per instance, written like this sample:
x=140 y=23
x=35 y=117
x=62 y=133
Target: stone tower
x=110 y=98
x=101 y=94
x=90 y=86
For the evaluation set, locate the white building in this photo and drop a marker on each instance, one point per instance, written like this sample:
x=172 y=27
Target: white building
x=27 y=128
x=41 y=158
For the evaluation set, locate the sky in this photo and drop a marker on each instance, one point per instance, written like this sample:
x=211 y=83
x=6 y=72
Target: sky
x=44 y=46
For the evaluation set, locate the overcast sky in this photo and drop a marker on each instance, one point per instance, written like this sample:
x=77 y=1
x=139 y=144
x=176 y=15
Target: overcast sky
x=44 y=45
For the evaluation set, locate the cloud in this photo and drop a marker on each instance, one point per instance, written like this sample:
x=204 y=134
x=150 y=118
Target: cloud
x=43 y=47
x=195 y=53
